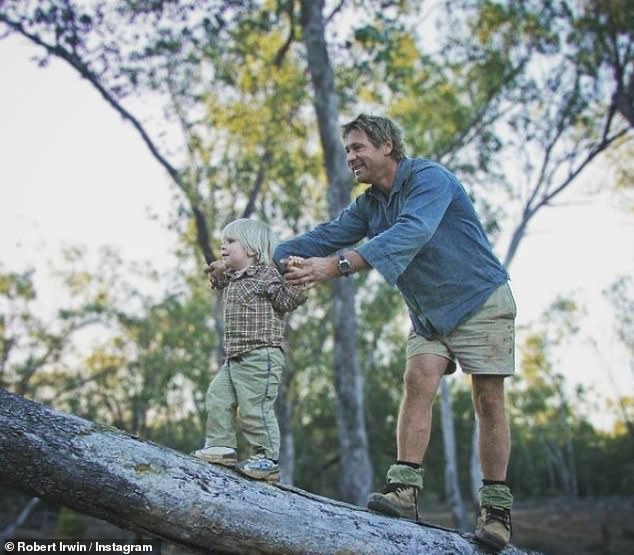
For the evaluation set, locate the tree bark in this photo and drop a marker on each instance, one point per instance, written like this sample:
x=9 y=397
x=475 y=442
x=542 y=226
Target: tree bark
x=355 y=477
x=138 y=485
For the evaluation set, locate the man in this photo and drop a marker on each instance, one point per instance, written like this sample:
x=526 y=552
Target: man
x=425 y=238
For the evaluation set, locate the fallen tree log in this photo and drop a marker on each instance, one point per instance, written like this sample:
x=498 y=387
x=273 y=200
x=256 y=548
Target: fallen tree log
x=138 y=485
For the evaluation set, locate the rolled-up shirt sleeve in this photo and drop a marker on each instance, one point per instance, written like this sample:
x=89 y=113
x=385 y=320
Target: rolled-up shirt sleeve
x=425 y=203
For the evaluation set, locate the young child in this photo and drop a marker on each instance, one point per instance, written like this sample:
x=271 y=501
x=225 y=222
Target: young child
x=256 y=300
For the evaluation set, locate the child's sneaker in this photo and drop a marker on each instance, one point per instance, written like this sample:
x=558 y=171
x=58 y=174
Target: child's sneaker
x=494 y=526
x=225 y=456
x=259 y=467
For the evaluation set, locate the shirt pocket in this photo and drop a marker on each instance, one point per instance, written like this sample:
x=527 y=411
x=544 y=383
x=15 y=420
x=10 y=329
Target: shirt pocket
x=240 y=292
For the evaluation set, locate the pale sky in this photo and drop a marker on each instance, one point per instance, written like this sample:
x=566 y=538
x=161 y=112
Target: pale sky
x=72 y=172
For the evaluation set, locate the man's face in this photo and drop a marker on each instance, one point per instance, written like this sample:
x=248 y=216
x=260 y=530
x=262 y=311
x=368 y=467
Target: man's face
x=367 y=162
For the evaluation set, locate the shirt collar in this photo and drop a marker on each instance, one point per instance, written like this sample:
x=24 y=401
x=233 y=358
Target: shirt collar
x=402 y=174
x=249 y=271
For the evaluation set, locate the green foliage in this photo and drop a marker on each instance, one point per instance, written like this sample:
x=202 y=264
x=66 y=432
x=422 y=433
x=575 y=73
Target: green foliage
x=15 y=286
x=555 y=447
x=143 y=364
x=70 y=524
x=310 y=362
x=26 y=342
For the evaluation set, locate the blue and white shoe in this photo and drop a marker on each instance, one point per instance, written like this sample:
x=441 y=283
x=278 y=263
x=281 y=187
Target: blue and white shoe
x=259 y=467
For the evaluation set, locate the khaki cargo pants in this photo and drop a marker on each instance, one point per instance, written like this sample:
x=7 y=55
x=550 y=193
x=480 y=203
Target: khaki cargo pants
x=242 y=396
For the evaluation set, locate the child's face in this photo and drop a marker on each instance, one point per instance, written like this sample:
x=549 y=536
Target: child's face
x=234 y=255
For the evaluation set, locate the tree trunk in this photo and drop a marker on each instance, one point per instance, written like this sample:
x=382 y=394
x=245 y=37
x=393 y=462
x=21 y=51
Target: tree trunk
x=355 y=477
x=624 y=100
x=452 y=486
x=284 y=410
x=568 y=454
x=138 y=485
x=475 y=470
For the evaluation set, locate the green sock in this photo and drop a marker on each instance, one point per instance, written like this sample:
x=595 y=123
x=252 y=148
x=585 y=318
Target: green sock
x=405 y=474
x=496 y=495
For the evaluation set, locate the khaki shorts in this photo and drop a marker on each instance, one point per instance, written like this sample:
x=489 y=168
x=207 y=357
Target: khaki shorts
x=482 y=344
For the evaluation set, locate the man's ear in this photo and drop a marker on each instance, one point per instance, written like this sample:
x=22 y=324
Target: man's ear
x=388 y=147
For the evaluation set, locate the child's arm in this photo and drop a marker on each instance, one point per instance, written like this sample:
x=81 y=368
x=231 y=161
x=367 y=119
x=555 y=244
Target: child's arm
x=216 y=271
x=285 y=297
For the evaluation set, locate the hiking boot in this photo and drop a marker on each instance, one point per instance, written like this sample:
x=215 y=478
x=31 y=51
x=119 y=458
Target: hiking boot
x=259 y=467
x=225 y=456
x=494 y=526
x=400 y=500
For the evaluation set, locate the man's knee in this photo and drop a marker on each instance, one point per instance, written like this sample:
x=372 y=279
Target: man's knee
x=488 y=395
x=423 y=373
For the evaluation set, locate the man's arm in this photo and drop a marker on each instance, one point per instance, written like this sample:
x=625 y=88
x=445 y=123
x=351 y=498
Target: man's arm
x=309 y=272
x=344 y=231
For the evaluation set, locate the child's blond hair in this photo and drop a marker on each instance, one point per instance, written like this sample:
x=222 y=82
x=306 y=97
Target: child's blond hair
x=256 y=237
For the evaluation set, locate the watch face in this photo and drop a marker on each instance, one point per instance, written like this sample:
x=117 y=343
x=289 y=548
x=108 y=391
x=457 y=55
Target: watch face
x=344 y=265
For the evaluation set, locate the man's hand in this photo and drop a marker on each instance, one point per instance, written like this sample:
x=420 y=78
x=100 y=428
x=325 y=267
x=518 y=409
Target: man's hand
x=216 y=271
x=309 y=272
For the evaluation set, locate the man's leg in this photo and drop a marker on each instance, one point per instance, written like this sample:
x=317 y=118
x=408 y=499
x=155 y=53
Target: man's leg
x=420 y=384
x=423 y=373
x=496 y=500
x=494 y=437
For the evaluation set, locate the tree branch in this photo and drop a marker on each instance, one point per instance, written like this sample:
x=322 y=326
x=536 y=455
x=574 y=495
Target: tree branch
x=76 y=63
x=531 y=208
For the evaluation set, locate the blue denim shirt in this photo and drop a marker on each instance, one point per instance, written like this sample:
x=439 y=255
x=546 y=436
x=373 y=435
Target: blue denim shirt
x=424 y=238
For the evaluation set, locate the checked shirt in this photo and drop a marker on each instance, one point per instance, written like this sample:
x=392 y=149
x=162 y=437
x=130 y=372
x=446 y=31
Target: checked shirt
x=256 y=300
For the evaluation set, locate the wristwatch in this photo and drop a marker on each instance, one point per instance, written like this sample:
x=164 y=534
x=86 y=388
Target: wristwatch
x=344 y=266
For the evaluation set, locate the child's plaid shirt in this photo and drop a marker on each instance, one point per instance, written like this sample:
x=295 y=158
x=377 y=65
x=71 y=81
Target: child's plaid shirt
x=256 y=300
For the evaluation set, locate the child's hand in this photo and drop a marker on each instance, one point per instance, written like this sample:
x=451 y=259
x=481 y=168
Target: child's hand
x=294 y=262
x=310 y=272
x=216 y=271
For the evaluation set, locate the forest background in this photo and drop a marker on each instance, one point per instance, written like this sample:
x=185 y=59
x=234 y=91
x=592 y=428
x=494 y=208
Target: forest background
x=238 y=105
